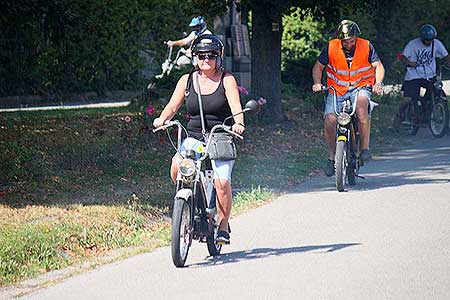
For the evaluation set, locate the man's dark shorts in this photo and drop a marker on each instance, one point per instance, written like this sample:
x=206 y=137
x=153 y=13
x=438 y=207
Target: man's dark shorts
x=411 y=88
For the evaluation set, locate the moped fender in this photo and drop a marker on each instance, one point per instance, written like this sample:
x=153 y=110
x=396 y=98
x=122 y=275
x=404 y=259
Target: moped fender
x=184 y=194
x=342 y=138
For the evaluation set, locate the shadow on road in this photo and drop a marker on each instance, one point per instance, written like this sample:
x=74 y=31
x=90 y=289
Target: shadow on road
x=427 y=162
x=260 y=253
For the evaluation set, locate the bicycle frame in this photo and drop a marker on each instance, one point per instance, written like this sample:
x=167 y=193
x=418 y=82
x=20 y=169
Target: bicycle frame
x=169 y=63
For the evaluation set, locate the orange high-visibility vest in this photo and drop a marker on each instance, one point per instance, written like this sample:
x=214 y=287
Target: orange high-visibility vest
x=343 y=78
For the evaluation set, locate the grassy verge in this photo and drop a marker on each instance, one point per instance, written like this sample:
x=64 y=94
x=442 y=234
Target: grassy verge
x=75 y=185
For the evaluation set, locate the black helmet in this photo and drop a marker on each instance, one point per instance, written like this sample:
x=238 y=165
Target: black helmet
x=207 y=43
x=428 y=32
x=347 y=29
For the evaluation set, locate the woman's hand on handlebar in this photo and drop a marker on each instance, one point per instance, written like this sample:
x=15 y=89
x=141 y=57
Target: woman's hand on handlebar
x=238 y=128
x=158 y=122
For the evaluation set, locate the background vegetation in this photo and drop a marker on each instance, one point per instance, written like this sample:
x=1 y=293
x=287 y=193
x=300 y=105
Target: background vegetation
x=60 y=47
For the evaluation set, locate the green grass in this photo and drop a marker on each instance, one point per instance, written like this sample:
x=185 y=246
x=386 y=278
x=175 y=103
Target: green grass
x=250 y=199
x=40 y=239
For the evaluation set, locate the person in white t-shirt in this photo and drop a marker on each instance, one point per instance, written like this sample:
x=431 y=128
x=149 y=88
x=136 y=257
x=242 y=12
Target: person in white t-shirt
x=198 y=25
x=419 y=56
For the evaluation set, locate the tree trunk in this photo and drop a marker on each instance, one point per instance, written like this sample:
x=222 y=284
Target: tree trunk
x=266 y=59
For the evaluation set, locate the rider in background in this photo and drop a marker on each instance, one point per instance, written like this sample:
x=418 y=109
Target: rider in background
x=351 y=62
x=198 y=25
x=419 y=56
x=220 y=98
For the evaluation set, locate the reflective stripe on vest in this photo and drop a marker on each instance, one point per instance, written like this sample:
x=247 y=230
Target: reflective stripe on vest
x=360 y=73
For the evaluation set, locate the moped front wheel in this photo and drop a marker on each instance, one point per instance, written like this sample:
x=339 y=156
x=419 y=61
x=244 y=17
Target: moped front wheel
x=213 y=247
x=181 y=232
x=340 y=159
x=439 y=119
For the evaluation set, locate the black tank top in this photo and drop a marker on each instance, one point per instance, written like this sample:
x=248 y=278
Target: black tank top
x=215 y=108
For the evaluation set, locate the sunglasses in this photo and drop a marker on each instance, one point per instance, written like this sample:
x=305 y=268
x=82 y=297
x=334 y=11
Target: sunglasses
x=206 y=56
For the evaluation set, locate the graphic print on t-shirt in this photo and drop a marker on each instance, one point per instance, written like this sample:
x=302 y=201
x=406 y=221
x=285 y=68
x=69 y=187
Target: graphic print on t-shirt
x=424 y=57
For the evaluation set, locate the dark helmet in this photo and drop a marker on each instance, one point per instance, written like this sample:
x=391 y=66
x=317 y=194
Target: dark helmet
x=347 y=29
x=207 y=43
x=428 y=32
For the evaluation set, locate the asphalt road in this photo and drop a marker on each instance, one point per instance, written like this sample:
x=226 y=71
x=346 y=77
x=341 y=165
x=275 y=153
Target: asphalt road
x=386 y=238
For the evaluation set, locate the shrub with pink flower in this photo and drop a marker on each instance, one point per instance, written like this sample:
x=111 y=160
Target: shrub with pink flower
x=150 y=110
x=242 y=90
x=262 y=101
x=247 y=96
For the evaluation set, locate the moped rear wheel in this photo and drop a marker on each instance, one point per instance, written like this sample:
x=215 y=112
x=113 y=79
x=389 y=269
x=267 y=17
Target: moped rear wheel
x=181 y=232
x=340 y=159
x=351 y=173
x=439 y=119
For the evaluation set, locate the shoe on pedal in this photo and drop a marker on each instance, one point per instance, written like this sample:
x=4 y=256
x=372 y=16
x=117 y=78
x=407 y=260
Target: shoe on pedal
x=329 y=168
x=365 y=155
x=223 y=237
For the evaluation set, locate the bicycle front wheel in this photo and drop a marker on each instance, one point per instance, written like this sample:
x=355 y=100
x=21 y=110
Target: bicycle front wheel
x=340 y=159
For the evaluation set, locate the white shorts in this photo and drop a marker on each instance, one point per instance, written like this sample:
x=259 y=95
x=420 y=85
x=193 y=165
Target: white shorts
x=222 y=168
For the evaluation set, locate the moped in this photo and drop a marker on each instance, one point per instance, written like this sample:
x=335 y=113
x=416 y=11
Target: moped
x=431 y=110
x=347 y=156
x=195 y=215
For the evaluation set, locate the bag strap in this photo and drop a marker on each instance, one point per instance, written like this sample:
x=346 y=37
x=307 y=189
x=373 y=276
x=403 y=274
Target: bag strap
x=187 y=90
x=432 y=48
x=200 y=104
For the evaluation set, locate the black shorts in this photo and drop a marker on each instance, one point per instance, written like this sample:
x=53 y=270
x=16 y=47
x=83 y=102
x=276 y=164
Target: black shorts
x=411 y=88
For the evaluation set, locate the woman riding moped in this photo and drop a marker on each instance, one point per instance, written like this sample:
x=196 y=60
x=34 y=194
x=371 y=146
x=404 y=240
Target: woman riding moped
x=220 y=99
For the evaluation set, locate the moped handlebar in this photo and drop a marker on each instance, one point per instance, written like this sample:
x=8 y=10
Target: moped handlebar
x=223 y=127
x=166 y=125
x=326 y=88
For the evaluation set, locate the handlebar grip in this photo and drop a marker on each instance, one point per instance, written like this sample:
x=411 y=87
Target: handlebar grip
x=166 y=125
x=233 y=133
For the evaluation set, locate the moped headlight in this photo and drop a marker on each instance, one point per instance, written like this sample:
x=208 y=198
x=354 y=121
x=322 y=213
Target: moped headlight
x=187 y=167
x=343 y=118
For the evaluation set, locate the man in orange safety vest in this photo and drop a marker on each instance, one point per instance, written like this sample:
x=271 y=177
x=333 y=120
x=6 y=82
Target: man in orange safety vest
x=353 y=68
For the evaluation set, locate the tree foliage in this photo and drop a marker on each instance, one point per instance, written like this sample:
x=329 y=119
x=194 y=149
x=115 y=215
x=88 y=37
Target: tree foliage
x=69 y=46
x=66 y=46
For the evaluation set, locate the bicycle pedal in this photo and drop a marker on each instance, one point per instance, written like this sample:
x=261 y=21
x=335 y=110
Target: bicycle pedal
x=359 y=176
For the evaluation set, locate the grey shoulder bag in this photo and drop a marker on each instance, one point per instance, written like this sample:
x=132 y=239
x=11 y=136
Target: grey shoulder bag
x=222 y=145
